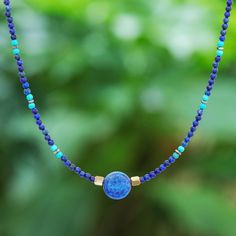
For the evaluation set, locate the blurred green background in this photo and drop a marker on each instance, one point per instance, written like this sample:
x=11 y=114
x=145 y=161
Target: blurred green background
x=118 y=84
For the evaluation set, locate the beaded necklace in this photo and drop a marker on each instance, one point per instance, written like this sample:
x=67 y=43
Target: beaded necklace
x=116 y=185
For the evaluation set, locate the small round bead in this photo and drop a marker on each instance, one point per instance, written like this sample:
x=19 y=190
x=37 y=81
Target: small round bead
x=53 y=148
x=175 y=155
x=67 y=163
x=77 y=170
x=29 y=97
x=152 y=174
x=181 y=149
x=14 y=42
x=25 y=85
x=81 y=174
x=63 y=158
x=147 y=177
x=59 y=155
x=16 y=51
x=171 y=159
x=157 y=171
x=31 y=106
x=205 y=98
x=220 y=53
x=50 y=142
x=72 y=167
x=162 y=167
x=202 y=106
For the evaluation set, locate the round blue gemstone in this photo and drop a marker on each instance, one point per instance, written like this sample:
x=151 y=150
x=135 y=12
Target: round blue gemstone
x=117 y=185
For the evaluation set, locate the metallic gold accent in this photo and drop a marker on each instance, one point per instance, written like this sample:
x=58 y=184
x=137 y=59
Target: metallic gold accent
x=178 y=152
x=98 y=180
x=31 y=101
x=204 y=102
x=135 y=181
x=220 y=48
x=58 y=150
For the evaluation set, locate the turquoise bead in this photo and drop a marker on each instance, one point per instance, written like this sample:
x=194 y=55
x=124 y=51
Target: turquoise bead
x=31 y=106
x=205 y=98
x=175 y=155
x=16 y=51
x=202 y=106
x=29 y=97
x=220 y=53
x=53 y=148
x=14 y=42
x=59 y=155
x=181 y=149
x=220 y=44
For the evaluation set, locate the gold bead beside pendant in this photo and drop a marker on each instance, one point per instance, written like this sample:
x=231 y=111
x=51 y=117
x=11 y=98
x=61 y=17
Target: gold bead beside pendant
x=98 y=180
x=135 y=181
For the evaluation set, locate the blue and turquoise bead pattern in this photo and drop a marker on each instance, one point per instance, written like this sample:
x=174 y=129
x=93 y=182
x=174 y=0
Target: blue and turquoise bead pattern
x=116 y=185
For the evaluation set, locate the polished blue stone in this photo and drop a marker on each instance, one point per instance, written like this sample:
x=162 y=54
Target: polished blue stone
x=117 y=185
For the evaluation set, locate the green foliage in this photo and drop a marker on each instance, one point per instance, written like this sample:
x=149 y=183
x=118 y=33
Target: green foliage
x=117 y=83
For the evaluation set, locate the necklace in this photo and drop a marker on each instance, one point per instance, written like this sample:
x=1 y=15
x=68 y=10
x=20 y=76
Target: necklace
x=116 y=185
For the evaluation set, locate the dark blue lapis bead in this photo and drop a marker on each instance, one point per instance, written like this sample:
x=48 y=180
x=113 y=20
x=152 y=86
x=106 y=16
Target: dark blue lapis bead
x=208 y=93
x=184 y=144
x=45 y=132
x=190 y=134
x=50 y=142
x=27 y=91
x=87 y=176
x=142 y=180
x=72 y=167
x=19 y=62
x=6 y=2
x=12 y=32
x=215 y=64
x=47 y=137
x=152 y=174
x=162 y=167
x=193 y=129
x=209 y=88
x=147 y=177
x=42 y=127
x=92 y=179
x=35 y=111
x=223 y=32
x=39 y=122
x=21 y=74
x=20 y=68
x=77 y=170
x=67 y=163
x=11 y=25
x=224 y=26
x=63 y=158
x=171 y=160
x=226 y=20
x=214 y=70
x=195 y=123
x=222 y=38
x=229 y=2
x=37 y=116
x=7 y=14
x=23 y=80
x=227 y=14
x=187 y=139
x=13 y=37
x=211 y=82
x=213 y=76
x=10 y=20
x=17 y=57
x=25 y=85
x=157 y=171
x=166 y=163
x=82 y=174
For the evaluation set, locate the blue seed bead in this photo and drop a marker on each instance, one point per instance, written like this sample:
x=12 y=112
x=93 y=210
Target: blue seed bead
x=59 y=155
x=220 y=53
x=152 y=174
x=64 y=158
x=147 y=177
x=167 y=163
x=29 y=97
x=202 y=106
x=72 y=167
x=142 y=180
x=92 y=179
x=181 y=149
x=81 y=174
x=171 y=160
x=162 y=167
x=53 y=148
x=14 y=42
x=31 y=106
x=175 y=155
x=25 y=85
x=50 y=142
x=16 y=51
x=77 y=170
x=67 y=163
x=157 y=171
x=87 y=176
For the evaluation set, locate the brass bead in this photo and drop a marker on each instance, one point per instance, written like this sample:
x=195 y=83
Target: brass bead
x=178 y=152
x=98 y=180
x=135 y=181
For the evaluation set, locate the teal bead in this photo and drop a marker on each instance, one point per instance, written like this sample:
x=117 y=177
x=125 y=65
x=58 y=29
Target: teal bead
x=53 y=148
x=205 y=98
x=220 y=53
x=202 y=106
x=31 y=106
x=175 y=155
x=14 y=42
x=29 y=97
x=16 y=51
x=181 y=149
x=59 y=155
x=220 y=44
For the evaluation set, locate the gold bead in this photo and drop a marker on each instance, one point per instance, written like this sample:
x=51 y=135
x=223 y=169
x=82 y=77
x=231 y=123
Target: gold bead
x=135 y=181
x=178 y=152
x=98 y=180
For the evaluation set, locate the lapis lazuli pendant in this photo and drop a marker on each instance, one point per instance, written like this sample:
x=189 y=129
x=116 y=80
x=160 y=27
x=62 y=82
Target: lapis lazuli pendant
x=117 y=185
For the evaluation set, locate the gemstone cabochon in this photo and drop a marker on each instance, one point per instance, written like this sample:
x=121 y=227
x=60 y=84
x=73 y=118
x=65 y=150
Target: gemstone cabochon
x=117 y=185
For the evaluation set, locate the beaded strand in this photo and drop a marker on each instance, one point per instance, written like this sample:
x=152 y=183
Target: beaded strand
x=56 y=150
